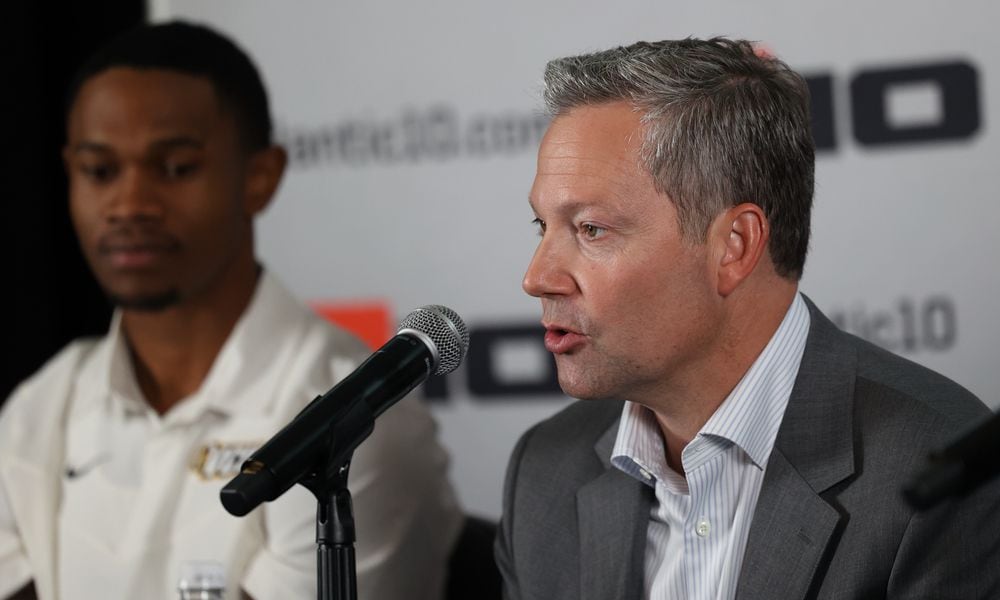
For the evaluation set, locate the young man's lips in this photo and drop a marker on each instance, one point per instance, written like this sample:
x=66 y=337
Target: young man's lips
x=562 y=341
x=135 y=257
x=136 y=248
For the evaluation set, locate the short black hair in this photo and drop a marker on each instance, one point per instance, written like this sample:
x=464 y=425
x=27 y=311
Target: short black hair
x=195 y=50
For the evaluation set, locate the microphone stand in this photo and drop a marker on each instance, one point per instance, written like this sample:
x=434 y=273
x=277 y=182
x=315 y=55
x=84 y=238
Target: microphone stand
x=316 y=447
x=336 y=572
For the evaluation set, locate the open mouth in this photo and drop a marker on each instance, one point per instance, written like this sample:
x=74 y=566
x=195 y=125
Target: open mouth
x=562 y=341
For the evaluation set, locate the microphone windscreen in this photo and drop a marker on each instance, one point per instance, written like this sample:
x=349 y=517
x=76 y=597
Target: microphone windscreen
x=445 y=329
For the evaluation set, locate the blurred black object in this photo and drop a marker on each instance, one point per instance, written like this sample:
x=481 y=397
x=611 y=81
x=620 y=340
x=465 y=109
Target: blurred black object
x=472 y=572
x=959 y=468
x=49 y=295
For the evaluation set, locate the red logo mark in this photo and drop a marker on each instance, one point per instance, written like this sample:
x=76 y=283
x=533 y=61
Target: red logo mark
x=370 y=321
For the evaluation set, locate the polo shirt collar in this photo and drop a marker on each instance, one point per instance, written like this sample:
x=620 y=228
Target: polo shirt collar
x=272 y=315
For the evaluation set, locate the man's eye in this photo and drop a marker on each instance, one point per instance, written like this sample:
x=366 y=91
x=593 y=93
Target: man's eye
x=176 y=170
x=98 y=172
x=592 y=231
x=540 y=224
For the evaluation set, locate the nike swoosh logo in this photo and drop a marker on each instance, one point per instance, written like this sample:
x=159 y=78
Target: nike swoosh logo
x=81 y=470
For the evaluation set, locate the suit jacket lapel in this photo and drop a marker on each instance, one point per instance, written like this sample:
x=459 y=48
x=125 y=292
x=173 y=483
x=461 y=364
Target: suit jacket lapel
x=788 y=537
x=613 y=513
x=793 y=525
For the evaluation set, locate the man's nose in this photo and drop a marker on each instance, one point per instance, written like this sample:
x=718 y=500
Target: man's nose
x=135 y=197
x=548 y=272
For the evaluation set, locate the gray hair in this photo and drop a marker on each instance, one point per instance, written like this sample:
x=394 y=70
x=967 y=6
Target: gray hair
x=723 y=125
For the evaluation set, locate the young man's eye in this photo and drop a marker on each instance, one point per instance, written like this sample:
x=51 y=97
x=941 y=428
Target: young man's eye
x=98 y=172
x=539 y=224
x=178 y=169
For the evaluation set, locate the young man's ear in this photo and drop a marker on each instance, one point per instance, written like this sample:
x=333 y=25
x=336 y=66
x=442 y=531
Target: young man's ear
x=740 y=236
x=264 y=171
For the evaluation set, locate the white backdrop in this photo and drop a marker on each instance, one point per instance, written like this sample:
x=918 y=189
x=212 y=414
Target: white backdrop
x=412 y=128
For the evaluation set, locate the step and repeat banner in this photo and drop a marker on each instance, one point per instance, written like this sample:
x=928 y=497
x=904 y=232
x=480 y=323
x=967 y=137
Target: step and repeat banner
x=412 y=129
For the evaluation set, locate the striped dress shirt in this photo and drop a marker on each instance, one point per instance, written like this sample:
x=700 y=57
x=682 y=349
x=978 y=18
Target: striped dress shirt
x=698 y=525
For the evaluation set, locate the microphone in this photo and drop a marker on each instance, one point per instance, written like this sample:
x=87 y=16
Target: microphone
x=958 y=469
x=323 y=436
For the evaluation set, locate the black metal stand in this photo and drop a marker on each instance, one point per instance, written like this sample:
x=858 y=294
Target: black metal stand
x=319 y=459
x=336 y=573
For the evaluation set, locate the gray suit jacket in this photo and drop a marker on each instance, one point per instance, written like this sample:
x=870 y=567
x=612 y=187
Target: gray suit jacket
x=830 y=521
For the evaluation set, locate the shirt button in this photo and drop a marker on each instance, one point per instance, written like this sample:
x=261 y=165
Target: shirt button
x=703 y=528
x=645 y=474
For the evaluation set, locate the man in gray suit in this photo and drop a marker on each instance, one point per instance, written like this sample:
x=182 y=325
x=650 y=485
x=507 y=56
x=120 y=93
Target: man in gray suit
x=740 y=445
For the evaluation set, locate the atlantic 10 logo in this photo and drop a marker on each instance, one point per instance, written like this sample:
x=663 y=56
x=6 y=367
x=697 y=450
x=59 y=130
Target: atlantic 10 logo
x=897 y=105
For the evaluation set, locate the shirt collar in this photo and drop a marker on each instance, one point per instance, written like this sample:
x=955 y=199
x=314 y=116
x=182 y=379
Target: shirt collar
x=271 y=316
x=749 y=416
x=638 y=449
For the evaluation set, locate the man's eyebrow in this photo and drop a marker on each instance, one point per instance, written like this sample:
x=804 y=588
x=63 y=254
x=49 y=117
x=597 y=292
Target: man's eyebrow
x=566 y=207
x=90 y=147
x=181 y=141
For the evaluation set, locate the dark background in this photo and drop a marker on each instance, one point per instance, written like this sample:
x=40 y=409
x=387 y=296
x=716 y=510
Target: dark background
x=49 y=296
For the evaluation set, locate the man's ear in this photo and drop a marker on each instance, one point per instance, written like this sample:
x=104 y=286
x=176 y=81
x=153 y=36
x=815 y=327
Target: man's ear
x=740 y=236
x=264 y=171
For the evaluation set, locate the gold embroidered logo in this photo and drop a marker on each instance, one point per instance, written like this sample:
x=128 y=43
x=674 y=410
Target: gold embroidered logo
x=221 y=460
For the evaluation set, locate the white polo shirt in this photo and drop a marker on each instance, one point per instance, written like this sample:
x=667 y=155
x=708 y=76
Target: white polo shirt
x=136 y=494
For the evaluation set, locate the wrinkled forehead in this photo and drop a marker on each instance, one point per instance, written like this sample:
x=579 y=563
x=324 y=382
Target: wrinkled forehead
x=608 y=129
x=592 y=152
